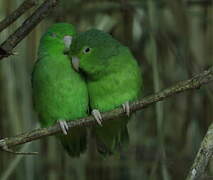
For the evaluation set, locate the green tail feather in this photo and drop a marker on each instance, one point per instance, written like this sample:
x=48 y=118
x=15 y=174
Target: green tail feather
x=112 y=136
x=75 y=142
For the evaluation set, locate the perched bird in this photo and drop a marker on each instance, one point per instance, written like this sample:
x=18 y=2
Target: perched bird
x=59 y=92
x=113 y=79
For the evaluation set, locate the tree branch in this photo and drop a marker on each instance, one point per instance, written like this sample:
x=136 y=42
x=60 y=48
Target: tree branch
x=26 y=5
x=202 y=158
x=194 y=83
x=28 y=25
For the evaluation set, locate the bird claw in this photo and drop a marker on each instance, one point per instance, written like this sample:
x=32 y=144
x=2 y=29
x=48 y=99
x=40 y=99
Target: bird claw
x=126 y=108
x=64 y=127
x=97 y=115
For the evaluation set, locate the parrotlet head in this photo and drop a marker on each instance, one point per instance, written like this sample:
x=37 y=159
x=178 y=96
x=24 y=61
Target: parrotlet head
x=91 y=51
x=59 y=34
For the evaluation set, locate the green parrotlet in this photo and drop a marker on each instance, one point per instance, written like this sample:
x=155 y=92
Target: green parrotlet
x=59 y=92
x=113 y=79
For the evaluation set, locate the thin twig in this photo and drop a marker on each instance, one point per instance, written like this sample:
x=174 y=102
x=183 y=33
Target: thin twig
x=14 y=164
x=194 y=83
x=5 y=148
x=28 y=25
x=26 y=5
x=202 y=158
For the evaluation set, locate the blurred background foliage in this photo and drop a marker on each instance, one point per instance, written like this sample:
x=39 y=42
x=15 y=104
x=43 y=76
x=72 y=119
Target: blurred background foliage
x=171 y=40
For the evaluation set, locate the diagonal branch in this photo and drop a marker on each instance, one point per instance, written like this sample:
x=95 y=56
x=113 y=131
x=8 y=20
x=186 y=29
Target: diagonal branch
x=27 y=26
x=26 y=5
x=203 y=156
x=194 y=83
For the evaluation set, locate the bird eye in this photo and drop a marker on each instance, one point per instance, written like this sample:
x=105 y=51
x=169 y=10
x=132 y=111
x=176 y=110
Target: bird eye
x=86 y=50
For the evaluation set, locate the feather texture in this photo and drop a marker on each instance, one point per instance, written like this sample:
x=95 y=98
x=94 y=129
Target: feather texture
x=58 y=91
x=113 y=78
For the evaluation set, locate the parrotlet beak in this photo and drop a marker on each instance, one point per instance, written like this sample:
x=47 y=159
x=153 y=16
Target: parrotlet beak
x=67 y=43
x=75 y=63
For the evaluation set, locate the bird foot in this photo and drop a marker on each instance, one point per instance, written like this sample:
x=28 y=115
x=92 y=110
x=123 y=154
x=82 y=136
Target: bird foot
x=97 y=115
x=64 y=127
x=126 y=108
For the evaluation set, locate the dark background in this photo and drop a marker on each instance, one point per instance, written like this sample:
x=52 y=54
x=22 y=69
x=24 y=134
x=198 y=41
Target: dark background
x=172 y=40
